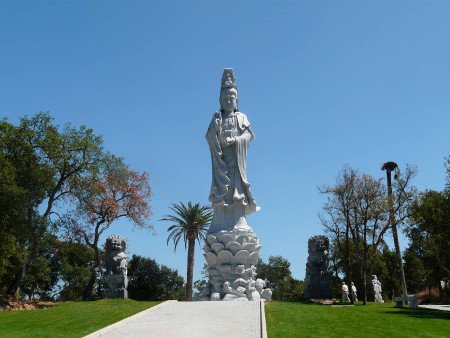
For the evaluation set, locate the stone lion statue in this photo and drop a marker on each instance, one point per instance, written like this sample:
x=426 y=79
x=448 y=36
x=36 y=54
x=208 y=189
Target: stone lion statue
x=115 y=280
x=116 y=257
x=318 y=278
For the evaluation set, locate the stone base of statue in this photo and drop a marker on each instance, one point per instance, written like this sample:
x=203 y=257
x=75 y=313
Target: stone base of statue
x=232 y=257
x=115 y=286
x=318 y=287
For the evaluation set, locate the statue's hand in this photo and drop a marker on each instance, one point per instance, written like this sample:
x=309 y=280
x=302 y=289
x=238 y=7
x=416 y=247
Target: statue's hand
x=230 y=140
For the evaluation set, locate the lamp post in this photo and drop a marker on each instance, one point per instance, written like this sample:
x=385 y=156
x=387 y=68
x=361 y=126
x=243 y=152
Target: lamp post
x=389 y=167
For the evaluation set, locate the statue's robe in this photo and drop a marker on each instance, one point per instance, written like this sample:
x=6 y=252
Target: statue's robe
x=230 y=189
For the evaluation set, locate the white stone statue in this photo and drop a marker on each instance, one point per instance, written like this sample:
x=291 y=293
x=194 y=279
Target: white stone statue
x=231 y=246
x=228 y=137
x=344 y=290
x=354 y=294
x=377 y=289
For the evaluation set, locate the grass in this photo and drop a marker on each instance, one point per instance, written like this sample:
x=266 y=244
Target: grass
x=69 y=319
x=373 y=320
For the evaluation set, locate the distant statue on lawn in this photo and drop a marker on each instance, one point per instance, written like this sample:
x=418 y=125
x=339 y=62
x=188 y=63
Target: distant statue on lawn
x=377 y=289
x=344 y=290
x=318 y=277
x=115 y=280
x=354 y=294
x=229 y=135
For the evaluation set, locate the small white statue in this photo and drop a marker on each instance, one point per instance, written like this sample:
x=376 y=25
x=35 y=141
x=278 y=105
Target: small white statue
x=354 y=295
x=377 y=289
x=345 y=292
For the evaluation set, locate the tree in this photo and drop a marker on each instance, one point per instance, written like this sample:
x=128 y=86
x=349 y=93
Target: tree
x=147 y=280
x=114 y=192
x=277 y=271
x=43 y=160
x=191 y=223
x=356 y=215
x=43 y=275
x=12 y=211
x=202 y=283
x=74 y=264
x=429 y=233
x=399 y=204
x=427 y=259
x=420 y=266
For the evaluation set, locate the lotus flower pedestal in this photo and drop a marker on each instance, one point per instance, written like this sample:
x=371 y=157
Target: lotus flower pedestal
x=232 y=257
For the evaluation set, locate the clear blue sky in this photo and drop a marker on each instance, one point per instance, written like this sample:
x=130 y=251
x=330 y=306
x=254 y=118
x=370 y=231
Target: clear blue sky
x=323 y=84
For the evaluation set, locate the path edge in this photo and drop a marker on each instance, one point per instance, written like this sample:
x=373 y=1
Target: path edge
x=115 y=325
x=263 y=319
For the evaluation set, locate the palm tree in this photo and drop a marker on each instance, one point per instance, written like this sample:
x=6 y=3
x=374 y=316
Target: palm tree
x=191 y=223
x=389 y=167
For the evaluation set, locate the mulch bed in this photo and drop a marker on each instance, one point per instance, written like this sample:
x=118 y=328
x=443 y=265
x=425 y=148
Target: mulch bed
x=7 y=304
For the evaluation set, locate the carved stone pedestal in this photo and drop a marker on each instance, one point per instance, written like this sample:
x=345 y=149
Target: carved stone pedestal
x=232 y=257
x=115 y=286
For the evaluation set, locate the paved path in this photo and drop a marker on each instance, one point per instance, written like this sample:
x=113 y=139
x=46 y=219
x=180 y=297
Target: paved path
x=436 y=307
x=192 y=319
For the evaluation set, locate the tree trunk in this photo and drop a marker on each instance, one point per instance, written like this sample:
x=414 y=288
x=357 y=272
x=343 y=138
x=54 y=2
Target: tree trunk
x=398 y=253
x=190 y=269
x=87 y=293
x=349 y=263
x=17 y=281
x=365 y=280
x=13 y=288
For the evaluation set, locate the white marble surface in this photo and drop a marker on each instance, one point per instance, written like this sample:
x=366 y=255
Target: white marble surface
x=193 y=319
x=436 y=307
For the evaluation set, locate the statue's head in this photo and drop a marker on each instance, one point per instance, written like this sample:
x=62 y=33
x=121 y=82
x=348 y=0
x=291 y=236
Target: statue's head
x=228 y=91
x=319 y=244
x=116 y=243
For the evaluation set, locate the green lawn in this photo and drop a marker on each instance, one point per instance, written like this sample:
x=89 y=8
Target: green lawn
x=373 y=320
x=69 y=319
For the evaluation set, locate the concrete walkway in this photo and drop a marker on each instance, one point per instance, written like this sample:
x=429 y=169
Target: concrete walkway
x=192 y=319
x=436 y=307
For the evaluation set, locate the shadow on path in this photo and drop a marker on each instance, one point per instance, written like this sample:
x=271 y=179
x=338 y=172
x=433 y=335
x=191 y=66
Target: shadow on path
x=420 y=313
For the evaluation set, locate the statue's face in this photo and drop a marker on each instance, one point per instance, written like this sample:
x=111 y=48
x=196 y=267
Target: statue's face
x=320 y=245
x=228 y=101
x=116 y=245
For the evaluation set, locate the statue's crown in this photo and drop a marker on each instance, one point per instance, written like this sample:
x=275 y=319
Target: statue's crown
x=228 y=80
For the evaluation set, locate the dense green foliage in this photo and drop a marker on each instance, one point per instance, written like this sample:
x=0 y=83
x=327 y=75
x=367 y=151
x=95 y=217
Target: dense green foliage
x=428 y=256
x=59 y=191
x=356 y=216
x=278 y=273
x=70 y=319
x=374 y=320
x=147 y=280
x=41 y=163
